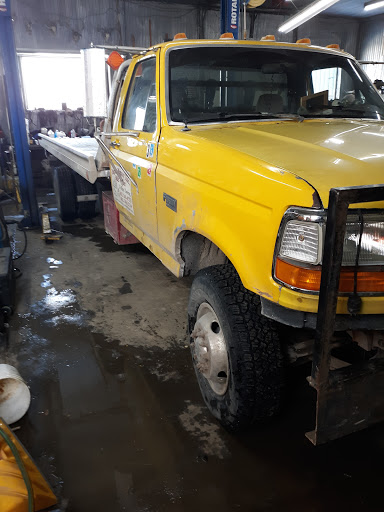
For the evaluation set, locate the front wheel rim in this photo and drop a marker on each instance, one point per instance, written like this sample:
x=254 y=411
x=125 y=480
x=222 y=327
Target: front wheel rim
x=209 y=349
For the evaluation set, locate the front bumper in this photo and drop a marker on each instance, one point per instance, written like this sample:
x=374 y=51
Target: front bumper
x=309 y=302
x=302 y=319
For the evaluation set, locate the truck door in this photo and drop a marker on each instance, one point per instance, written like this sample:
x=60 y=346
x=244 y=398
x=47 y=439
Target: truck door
x=135 y=145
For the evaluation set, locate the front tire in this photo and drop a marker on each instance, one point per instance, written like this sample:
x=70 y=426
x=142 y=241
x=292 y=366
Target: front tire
x=235 y=350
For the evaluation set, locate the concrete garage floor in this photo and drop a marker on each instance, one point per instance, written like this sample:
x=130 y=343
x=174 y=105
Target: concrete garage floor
x=116 y=420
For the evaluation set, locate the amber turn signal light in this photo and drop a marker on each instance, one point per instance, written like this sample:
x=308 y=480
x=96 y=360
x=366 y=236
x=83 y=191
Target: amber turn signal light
x=309 y=278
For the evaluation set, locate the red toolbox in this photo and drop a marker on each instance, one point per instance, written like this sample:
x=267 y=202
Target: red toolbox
x=112 y=224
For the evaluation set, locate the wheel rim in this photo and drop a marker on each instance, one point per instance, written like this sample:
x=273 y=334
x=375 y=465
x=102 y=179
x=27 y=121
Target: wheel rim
x=209 y=349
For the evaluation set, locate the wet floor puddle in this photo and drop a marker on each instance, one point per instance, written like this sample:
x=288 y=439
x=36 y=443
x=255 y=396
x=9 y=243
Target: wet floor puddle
x=85 y=386
x=124 y=427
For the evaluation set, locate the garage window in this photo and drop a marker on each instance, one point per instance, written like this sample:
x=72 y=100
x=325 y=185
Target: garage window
x=328 y=79
x=51 y=79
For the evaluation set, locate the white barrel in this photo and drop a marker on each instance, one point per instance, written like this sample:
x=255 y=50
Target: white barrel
x=15 y=396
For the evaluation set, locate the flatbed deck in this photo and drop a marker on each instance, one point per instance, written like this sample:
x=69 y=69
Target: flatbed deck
x=77 y=153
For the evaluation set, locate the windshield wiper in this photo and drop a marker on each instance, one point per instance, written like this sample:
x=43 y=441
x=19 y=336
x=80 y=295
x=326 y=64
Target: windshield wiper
x=342 y=109
x=348 y=114
x=288 y=117
x=225 y=116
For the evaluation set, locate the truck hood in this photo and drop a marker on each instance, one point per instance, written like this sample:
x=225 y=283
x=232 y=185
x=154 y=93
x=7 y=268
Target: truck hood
x=325 y=153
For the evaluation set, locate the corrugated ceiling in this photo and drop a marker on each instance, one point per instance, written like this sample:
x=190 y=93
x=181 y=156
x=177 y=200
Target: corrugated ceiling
x=350 y=8
x=353 y=8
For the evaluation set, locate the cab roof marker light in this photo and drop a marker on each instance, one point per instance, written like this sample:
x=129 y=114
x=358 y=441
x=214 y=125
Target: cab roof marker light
x=180 y=36
x=370 y=6
x=305 y=40
x=335 y=46
x=306 y=14
x=227 y=35
x=269 y=37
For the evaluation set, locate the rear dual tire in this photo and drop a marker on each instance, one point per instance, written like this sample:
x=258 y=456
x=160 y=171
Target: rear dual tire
x=67 y=186
x=86 y=209
x=64 y=188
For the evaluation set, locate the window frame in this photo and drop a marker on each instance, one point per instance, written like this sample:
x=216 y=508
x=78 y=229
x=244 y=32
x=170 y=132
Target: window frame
x=168 y=118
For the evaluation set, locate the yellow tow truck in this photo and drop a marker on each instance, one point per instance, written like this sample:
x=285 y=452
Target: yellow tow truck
x=257 y=167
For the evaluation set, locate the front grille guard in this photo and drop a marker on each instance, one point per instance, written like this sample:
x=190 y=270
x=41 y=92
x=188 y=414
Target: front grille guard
x=350 y=398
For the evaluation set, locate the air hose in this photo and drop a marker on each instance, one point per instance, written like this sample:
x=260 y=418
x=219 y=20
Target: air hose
x=21 y=465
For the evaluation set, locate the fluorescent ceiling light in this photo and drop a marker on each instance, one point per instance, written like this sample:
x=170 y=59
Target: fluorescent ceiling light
x=370 y=6
x=306 y=14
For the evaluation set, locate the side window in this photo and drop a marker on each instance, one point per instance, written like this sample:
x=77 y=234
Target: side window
x=140 y=106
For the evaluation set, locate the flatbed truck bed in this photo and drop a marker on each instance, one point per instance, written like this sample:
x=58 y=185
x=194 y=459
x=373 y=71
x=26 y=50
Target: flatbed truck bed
x=78 y=153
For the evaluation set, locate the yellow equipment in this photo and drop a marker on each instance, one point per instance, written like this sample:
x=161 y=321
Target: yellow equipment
x=22 y=486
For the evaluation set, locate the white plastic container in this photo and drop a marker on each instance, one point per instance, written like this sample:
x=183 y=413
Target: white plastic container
x=15 y=396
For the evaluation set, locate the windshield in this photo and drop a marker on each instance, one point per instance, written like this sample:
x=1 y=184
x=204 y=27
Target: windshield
x=221 y=83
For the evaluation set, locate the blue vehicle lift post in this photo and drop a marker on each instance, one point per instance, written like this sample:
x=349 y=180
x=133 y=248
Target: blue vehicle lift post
x=230 y=17
x=17 y=116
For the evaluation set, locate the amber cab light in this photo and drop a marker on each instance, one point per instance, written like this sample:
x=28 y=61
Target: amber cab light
x=334 y=46
x=305 y=40
x=180 y=36
x=309 y=278
x=269 y=37
x=227 y=35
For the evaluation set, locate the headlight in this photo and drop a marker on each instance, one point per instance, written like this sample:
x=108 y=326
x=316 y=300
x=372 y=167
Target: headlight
x=302 y=241
x=372 y=241
x=299 y=252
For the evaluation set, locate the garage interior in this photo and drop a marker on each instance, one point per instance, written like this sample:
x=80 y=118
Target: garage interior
x=98 y=330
